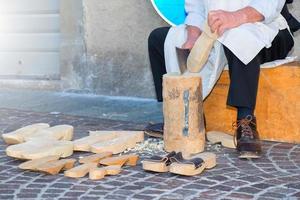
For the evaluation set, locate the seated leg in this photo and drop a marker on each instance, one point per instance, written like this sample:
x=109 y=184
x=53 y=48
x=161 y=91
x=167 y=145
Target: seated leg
x=156 y=42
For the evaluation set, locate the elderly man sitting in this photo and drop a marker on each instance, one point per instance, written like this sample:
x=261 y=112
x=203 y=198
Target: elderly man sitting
x=251 y=32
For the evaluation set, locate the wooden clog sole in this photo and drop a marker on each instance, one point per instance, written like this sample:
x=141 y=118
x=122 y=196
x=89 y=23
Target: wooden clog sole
x=155 y=166
x=130 y=160
x=209 y=161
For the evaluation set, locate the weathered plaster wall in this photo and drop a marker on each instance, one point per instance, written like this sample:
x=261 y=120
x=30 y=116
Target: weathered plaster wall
x=116 y=35
x=105 y=46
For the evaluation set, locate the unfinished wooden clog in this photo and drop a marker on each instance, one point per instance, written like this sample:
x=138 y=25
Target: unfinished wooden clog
x=158 y=163
x=193 y=166
x=80 y=171
x=37 y=148
x=59 y=132
x=130 y=160
x=95 y=158
x=33 y=164
x=118 y=145
x=220 y=137
x=54 y=167
x=201 y=50
x=18 y=136
x=84 y=144
x=100 y=173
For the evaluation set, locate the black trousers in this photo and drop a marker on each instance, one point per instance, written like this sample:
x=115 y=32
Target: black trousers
x=243 y=78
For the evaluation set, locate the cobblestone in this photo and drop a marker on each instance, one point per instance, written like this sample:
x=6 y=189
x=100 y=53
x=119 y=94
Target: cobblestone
x=274 y=176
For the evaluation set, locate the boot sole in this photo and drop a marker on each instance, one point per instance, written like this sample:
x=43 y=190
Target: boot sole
x=249 y=155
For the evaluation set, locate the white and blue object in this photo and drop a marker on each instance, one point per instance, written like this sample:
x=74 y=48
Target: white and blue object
x=172 y=11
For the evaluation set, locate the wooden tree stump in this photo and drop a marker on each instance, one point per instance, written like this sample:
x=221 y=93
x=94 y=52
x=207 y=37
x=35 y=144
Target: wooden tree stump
x=184 y=129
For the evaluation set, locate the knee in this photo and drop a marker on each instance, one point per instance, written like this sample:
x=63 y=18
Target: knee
x=156 y=36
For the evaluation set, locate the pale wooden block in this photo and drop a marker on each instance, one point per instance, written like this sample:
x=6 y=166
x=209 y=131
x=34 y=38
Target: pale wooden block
x=119 y=144
x=59 y=132
x=130 y=160
x=33 y=164
x=201 y=50
x=225 y=139
x=95 y=158
x=54 y=167
x=184 y=129
x=80 y=171
x=100 y=173
x=84 y=144
x=35 y=149
x=18 y=135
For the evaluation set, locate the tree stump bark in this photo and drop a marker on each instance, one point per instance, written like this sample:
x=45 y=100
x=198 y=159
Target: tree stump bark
x=184 y=129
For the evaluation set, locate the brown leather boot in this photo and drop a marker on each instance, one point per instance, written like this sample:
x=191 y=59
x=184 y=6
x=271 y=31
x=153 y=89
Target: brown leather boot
x=247 y=138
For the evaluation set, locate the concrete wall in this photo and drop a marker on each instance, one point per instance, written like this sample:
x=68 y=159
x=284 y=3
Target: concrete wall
x=105 y=46
x=105 y=51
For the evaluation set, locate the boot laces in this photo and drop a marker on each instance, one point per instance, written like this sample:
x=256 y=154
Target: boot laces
x=245 y=126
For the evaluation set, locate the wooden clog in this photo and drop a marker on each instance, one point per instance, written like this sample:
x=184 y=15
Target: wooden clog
x=95 y=158
x=18 y=135
x=59 y=132
x=225 y=139
x=54 y=167
x=100 y=173
x=120 y=144
x=80 y=171
x=130 y=160
x=33 y=164
x=84 y=144
x=193 y=166
x=38 y=148
x=158 y=164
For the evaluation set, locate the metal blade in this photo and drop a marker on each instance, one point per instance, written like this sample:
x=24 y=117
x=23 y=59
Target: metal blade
x=182 y=55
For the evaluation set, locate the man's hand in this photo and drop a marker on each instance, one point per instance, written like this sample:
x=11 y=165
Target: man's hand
x=193 y=34
x=220 y=20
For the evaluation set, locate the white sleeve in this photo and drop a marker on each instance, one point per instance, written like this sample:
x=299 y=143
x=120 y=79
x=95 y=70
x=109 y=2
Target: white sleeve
x=270 y=9
x=195 y=13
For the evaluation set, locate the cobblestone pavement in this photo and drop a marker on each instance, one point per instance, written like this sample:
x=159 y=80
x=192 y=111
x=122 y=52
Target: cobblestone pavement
x=275 y=176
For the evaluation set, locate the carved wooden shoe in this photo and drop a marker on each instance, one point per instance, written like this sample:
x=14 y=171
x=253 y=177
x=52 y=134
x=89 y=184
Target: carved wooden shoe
x=80 y=171
x=33 y=164
x=37 y=148
x=193 y=166
x=100 y=173
x=95 y=158
x=201 y=50
x=158 y=164
x=219 y=137
x=84 y=144
x=59 y=132
x=54 y=167
x=130 y=160
x=18 y=136
x=119 y=144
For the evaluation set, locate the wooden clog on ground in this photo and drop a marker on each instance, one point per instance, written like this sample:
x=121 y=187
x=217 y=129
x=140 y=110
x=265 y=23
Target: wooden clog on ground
x=18 y=136
x=130 y=160
x=33 y=164
x=59 y=132
x=80 y=171
x=158 y=163
x=193 y=166
x=39 y=148
x=99 y=173
x=225 y=139
x=54 y=167
x=95 y=158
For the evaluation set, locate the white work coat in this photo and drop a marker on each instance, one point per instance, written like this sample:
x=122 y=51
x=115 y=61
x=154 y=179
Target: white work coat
x=245 y=41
